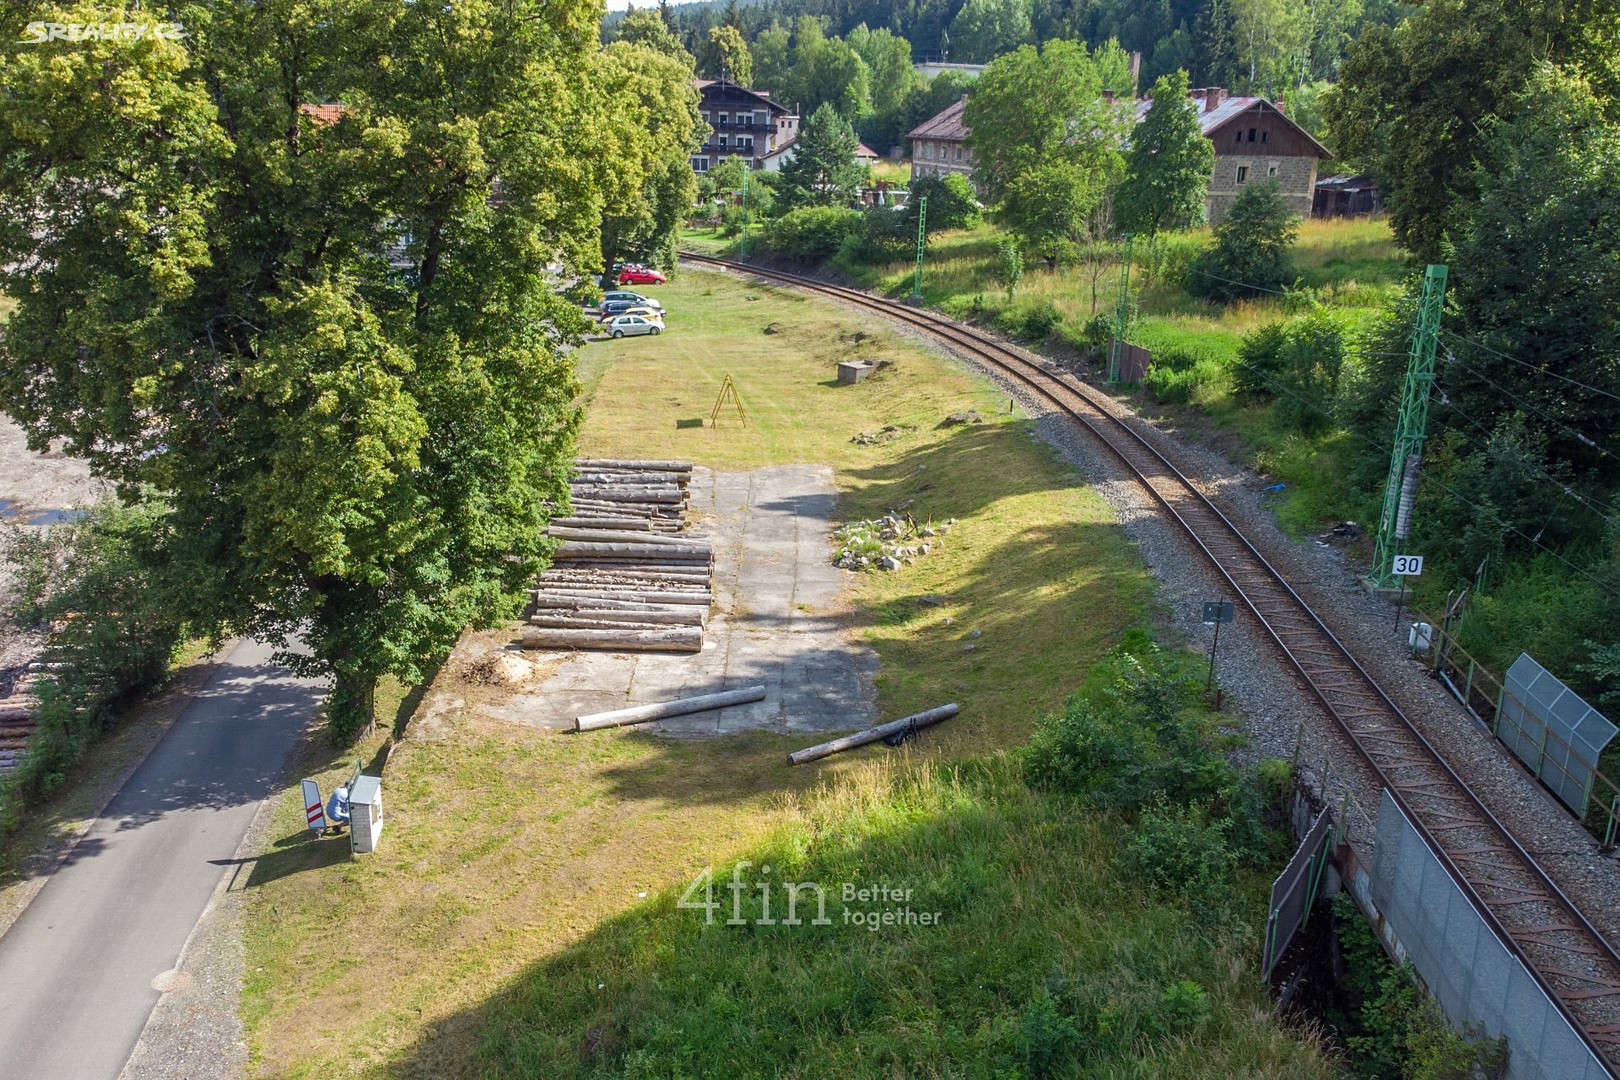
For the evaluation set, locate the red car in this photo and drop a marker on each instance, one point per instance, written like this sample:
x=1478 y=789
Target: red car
x=636 y=275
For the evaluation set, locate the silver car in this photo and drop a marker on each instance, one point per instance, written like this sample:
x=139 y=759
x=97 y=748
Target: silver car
x=630 y=326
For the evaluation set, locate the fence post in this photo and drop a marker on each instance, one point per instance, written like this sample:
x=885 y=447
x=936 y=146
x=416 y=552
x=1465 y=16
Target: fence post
x=1608 y=833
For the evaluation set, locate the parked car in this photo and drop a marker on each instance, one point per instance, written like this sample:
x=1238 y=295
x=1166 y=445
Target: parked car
x=633 y=297
x=631 y=325
x=636 y=275
x=619 y=307
x=640 y=309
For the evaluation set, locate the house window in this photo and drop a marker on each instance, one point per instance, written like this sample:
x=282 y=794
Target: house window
x=700 y=164
x=958 y=153
x=1251 y=132
x=745 y=143
x=723 y=140
x=1271 y=170
x=1239 y=140
x=1243 y=174
x=725 y=118
x=1263 y=135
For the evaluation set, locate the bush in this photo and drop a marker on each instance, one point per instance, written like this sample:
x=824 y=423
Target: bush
x=1031 y=320
x=951 y=203
x=1252 y=248
x=1300 y=363
x=92 y=582
x=1177 y=373
x=1181 y=849
x=1169 y=257
x=811 y=233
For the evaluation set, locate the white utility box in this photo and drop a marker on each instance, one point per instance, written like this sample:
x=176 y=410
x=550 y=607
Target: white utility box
x=365 y=814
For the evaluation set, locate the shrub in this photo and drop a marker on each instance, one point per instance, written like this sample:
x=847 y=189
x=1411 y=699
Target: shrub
x=951 y=204
x=1169 y=257
x=1299 y=362
x=1031 y=319
x=1181 y=849
x=811 y=233
x=93 y=583
x=1048 y=1039
x=1095 y=332
x=1252 y=248
x=1177 y=372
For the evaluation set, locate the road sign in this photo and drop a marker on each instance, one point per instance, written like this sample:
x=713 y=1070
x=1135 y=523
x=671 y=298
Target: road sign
x=1406 y=565
x=314 y=809
x=1217 y=611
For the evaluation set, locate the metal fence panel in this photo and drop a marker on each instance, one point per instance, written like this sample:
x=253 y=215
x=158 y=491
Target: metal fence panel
x=1295 y=890
x=1470 y=972
x=1552 y=730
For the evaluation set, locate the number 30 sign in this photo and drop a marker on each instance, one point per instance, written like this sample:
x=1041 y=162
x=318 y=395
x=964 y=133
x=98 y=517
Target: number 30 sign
x=1406 y=566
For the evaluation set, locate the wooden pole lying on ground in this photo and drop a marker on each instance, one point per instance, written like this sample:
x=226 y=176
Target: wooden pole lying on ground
x=882 y=731
x=641 y=714
x=672 y=639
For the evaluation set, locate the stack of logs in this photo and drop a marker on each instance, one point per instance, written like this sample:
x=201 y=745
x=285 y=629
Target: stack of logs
x=18 y=717
x=625 y=576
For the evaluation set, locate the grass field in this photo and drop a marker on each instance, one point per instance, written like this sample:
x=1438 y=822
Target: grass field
x=521 y=917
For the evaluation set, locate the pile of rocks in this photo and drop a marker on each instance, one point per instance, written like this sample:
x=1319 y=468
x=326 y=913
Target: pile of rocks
x=888 y=543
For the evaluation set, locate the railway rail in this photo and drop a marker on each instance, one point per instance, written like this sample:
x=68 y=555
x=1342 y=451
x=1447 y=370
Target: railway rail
x=1568 y=956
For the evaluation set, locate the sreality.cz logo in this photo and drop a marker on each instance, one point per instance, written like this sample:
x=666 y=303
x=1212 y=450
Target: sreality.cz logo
x=38 y=33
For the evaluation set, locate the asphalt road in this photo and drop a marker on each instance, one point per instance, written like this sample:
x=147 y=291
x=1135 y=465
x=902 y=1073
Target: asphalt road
x=76 y=969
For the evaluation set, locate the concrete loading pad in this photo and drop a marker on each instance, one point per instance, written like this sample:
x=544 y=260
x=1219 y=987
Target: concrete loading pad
x=779 y=619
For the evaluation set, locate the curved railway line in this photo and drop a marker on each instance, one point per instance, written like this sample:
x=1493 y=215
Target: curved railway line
x=1564 y=952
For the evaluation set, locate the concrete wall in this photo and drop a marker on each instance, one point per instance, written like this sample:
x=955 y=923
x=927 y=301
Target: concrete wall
x=935 y=157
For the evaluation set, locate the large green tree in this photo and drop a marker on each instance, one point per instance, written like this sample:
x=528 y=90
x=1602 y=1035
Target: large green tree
x=1536 y=277
x=1038 y=108
x=1168 y=165
x=647 y=27
x=657 y=128
x=726 y=54
x=985 y=29
x=1414 y=100
x=823 y=170
x=329 y=339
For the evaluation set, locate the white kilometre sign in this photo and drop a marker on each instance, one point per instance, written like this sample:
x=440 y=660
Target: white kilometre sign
x=1406 y=566
x=314 y=810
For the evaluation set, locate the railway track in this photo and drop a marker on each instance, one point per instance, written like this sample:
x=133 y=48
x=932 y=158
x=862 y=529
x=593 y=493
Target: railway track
x=1568 y=956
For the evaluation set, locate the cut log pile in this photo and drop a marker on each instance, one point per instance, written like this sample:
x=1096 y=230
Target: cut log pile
x=626 y=575
x=18 y=717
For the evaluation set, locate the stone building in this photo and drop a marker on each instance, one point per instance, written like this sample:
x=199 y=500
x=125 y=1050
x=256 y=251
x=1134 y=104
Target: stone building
x=1254 y=140
x=939 y=144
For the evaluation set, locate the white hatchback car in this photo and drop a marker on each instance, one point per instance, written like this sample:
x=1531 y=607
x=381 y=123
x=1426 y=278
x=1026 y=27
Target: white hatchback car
x=631 y=325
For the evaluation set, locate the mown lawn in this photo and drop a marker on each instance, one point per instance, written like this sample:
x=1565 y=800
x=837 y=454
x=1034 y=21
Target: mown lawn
x=521 y=918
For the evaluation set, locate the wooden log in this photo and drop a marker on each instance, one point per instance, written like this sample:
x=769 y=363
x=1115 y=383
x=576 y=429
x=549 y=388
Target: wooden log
x=690 y=616
x=574 y=623
x=626 y=536
x=573 y=550
x=666 y=496
x=633 y=524
x=644 y=596
x=675 y=639
x=14 y=715
x=575 y=603
x=624 y=463
x=641 y=714
x=861 y=738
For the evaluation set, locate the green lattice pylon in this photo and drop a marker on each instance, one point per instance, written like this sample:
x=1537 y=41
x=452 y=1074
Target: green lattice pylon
x=922 y=236
x=1410 y=426
x=1122 y=311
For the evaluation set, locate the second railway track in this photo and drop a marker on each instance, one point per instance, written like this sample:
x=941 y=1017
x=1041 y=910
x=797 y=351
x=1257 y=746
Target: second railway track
x=1566 y=954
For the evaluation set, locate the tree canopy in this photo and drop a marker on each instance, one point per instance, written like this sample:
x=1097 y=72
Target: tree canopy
x=823 y=170
x=1168 y=164
x=1253 y=247
x=328 y=339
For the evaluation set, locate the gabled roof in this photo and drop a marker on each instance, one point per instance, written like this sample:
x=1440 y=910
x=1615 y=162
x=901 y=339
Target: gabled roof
x=725 y=84
x=1229 y=109
x=324 y=114
x=947 y=125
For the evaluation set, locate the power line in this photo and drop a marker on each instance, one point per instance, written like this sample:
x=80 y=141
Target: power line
x=1424 y=477
x=1240 y=284
x=1533 y=367
x=1519 y=402
x=1602 y=510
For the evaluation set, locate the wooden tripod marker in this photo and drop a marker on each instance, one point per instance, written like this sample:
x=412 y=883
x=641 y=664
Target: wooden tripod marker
x=728 y=394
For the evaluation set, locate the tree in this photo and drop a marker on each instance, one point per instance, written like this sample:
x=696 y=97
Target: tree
x=823 y=170
x=771 y=68
x=1252 y=251
x=1050 y=206
x=1167 y=167
x=1114 y=68
x=727 y=55
x=1038 y=108
x=951 y=204
x=648 y=29
x=659 y=129
x=985 y=29
x=1012 y=265
x=1414 y=101
x=1536 y=274
x=826 y=70
x=893 y=80
x=330 y=342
